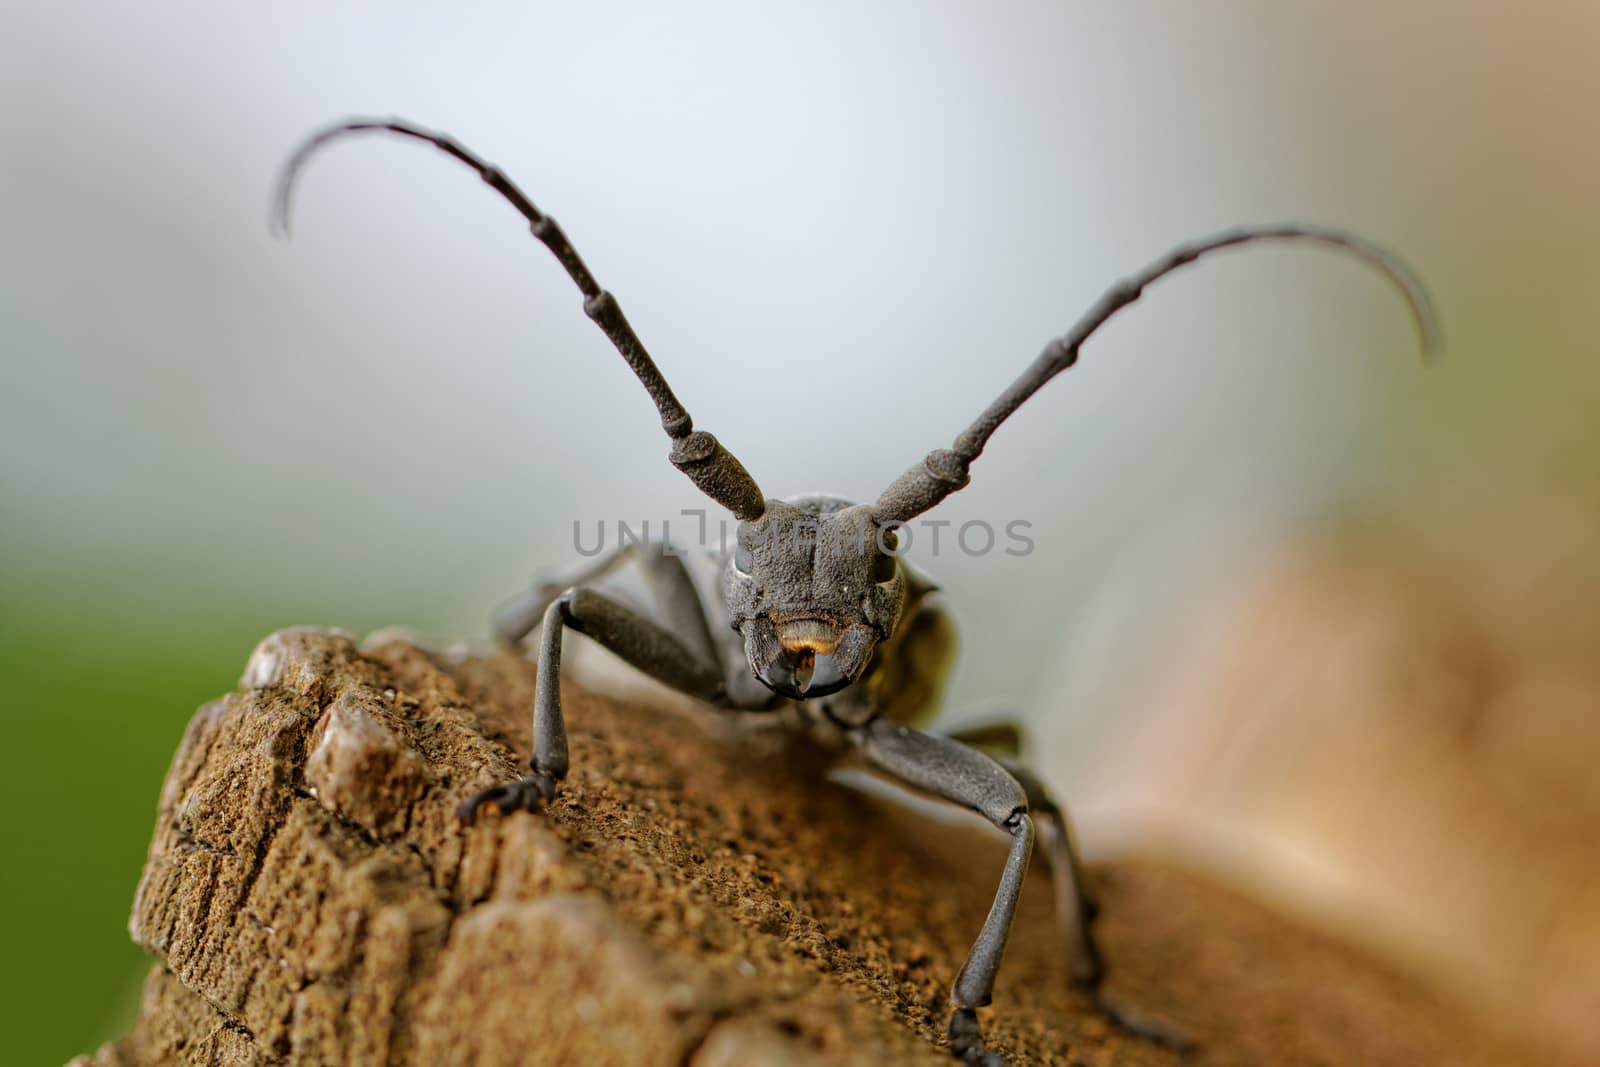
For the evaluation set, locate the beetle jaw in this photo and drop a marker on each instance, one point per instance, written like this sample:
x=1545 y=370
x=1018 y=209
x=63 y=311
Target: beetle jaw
x=807 y=655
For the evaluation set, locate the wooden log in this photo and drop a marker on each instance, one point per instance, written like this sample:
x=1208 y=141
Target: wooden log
x=698 y=895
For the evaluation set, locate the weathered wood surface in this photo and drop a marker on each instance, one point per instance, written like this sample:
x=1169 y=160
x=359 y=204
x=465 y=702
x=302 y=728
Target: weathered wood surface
x=697 y=896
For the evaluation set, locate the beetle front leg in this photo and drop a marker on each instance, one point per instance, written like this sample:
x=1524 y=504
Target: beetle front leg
x=640 y=642
x=965 y=776
x=1075 y=911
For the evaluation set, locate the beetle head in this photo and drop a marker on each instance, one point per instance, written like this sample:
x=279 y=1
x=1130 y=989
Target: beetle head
x=813 y=585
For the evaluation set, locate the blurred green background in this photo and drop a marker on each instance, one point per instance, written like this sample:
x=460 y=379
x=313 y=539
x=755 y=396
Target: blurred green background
x=841 y=230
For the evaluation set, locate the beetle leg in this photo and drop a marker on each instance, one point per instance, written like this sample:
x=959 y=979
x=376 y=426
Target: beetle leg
x=518 y=618
x=965 y=776
x=677 y=601
x=1075 y=909
x=648 y=647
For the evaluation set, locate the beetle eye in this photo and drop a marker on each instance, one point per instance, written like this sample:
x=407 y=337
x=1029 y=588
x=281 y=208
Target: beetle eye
x=743 y=560
x=884 y=562
x=883 y=567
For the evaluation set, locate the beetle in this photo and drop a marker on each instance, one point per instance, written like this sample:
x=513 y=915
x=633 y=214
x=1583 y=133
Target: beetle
x=819 y=617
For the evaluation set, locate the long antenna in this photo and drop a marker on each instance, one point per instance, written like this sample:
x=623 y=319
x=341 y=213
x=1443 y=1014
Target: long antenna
x=946 y=470
x=698 y=454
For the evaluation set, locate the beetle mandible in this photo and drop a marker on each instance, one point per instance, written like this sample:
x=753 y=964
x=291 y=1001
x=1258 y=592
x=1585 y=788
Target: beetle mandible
x=819 y=615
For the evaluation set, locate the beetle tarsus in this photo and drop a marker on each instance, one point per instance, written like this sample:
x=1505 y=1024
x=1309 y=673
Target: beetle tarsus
x=525 y=794
x=1141 y=1024
x=966 y=1042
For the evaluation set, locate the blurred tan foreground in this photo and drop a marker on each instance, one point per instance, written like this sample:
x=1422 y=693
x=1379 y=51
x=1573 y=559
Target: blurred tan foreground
x=1399 y=738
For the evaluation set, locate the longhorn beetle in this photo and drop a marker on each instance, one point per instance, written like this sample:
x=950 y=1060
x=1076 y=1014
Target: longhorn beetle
x=820 y=617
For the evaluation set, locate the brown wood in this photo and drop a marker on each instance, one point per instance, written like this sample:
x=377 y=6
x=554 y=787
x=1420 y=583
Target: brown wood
x=697 y=895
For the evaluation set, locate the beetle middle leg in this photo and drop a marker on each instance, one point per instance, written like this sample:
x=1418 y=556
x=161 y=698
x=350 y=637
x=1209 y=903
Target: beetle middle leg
x=965 y=776
x=677 y=603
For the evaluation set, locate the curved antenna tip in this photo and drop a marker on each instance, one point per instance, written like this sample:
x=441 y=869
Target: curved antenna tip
x=278 y=211
x=1430 y=336
x=283 y=189
x=278 y=221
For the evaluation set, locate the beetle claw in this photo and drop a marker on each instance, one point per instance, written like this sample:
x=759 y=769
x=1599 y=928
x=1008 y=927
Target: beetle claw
x=525 y=794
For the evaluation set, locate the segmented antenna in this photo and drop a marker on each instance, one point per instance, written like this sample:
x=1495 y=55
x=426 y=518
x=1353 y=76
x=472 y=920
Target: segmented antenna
x=717 y=472
x=946 y=470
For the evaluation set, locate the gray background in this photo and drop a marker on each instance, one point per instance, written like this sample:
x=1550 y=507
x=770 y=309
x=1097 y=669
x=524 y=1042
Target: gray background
x=841 y=229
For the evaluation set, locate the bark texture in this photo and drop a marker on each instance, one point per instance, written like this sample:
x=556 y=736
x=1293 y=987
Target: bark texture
x=698 y=895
